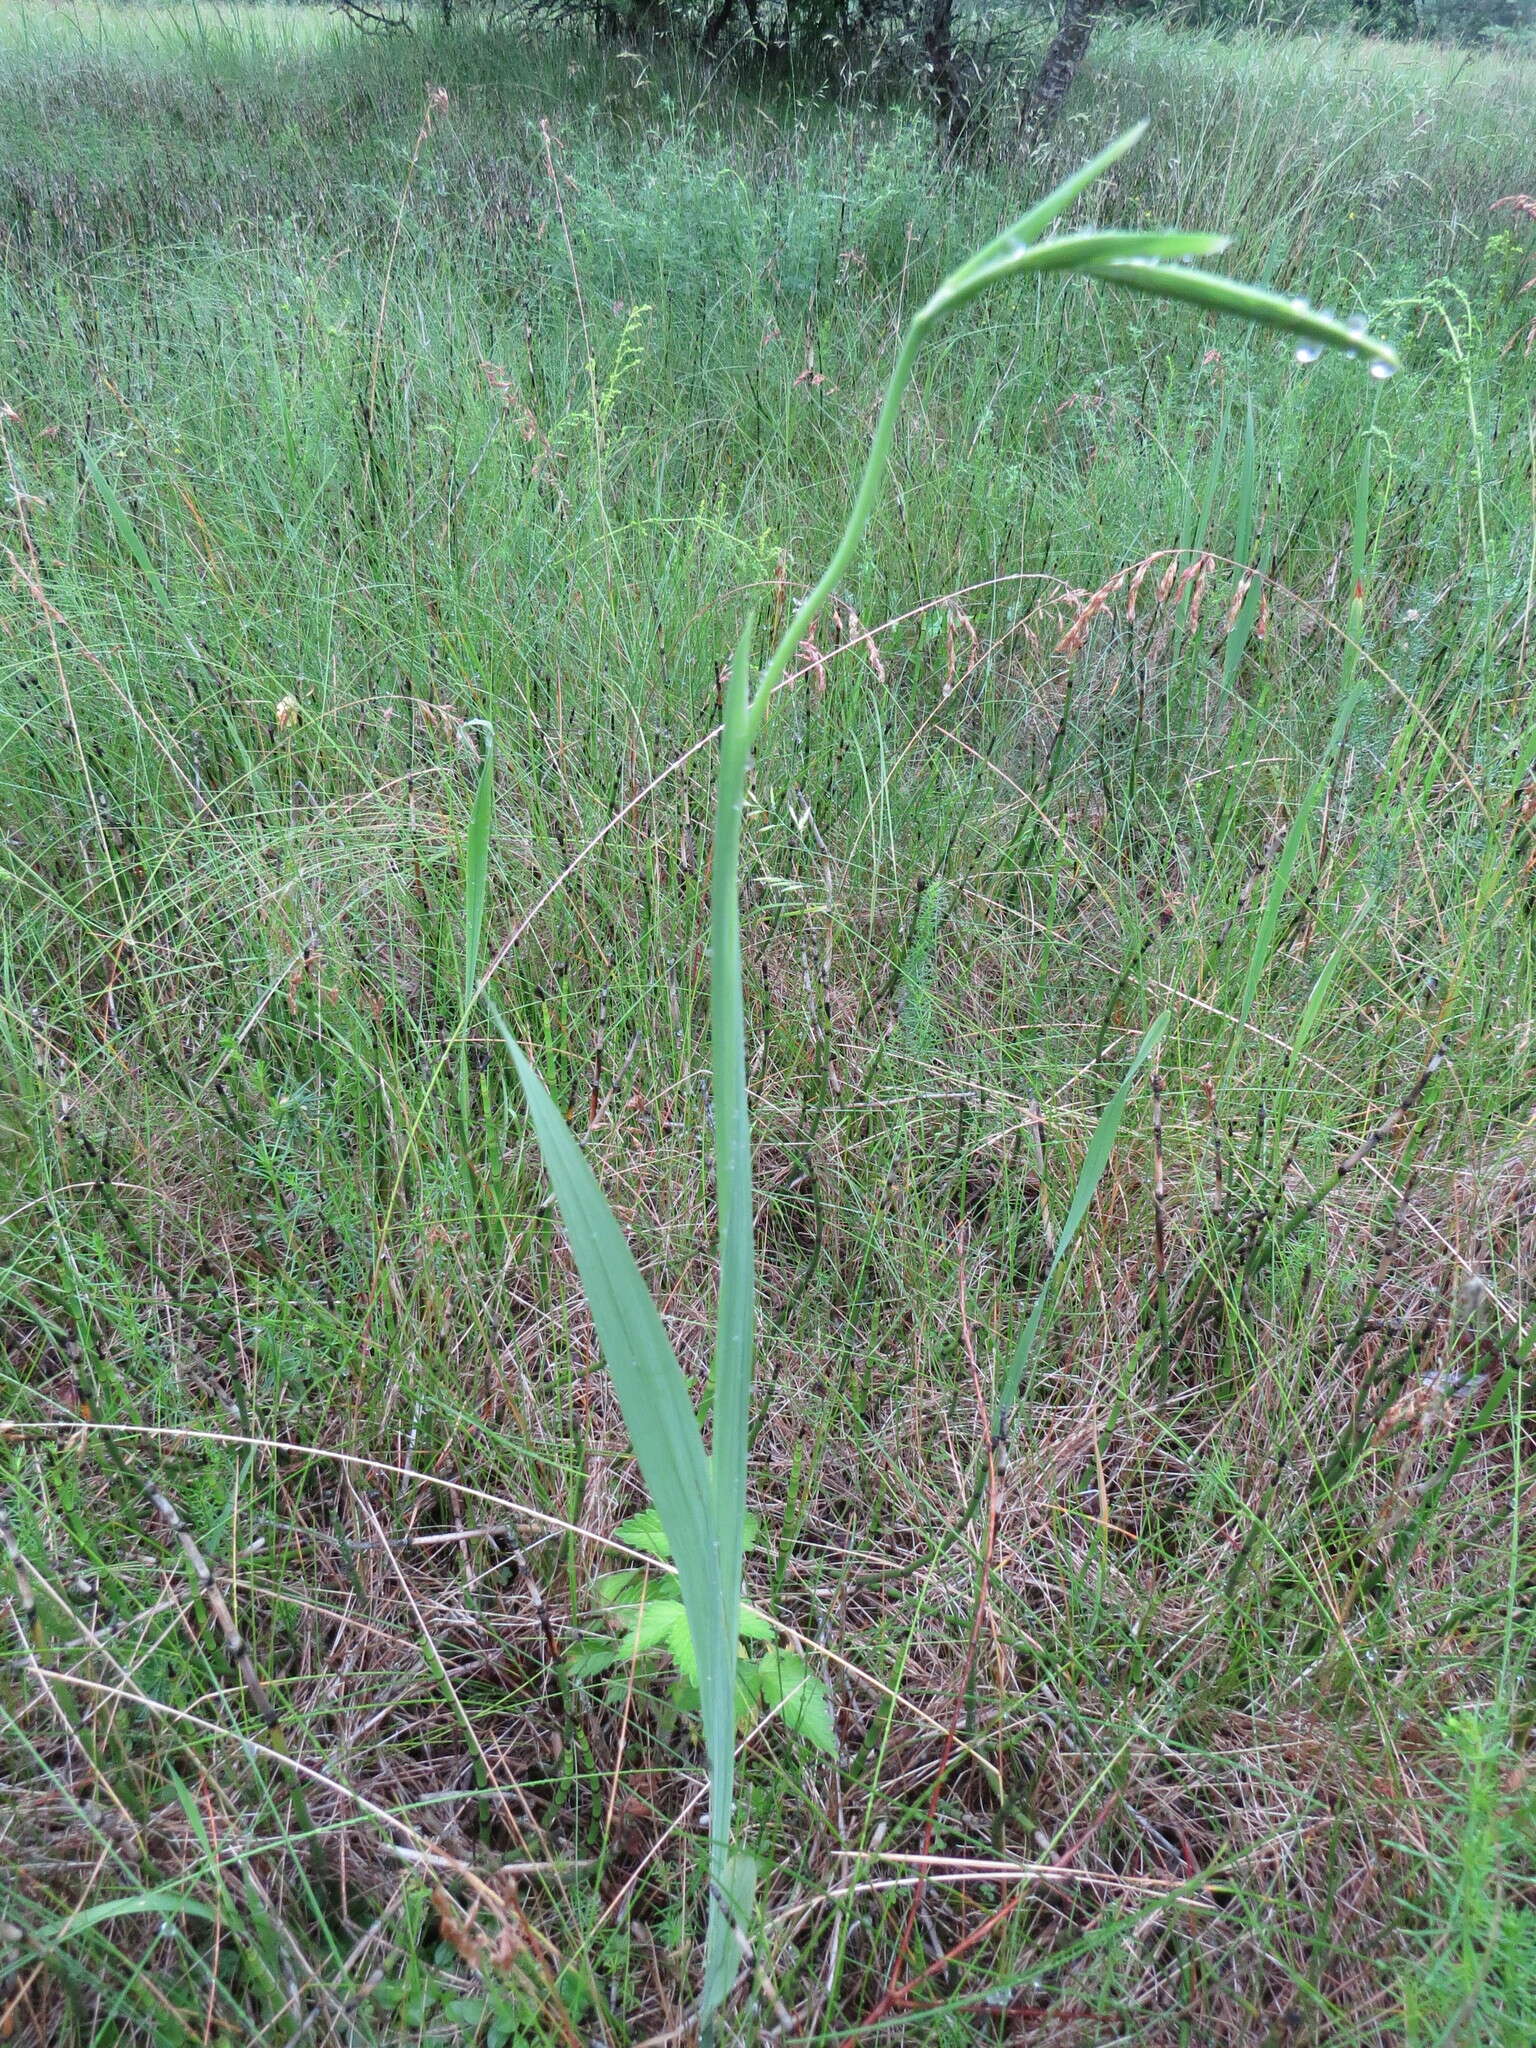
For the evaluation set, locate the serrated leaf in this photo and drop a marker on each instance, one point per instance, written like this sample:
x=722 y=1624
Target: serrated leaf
x=591 y=1660
x=809 y=1713
x=800 y=1697
x=645 y=1532
x=755 y=1625
x=781 y=1670
x=654 y=1625
x=749 y=1697
x=680 y=1643
x=621 y=1589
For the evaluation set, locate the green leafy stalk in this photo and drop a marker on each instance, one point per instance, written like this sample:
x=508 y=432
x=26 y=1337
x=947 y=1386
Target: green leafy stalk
x=736 y=1310
x=701 y=1500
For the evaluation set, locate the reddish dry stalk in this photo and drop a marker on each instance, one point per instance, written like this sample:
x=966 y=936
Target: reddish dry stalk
x=900 y=1997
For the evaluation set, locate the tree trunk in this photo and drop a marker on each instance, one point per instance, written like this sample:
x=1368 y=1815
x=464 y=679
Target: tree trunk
x=715 y=27
x=1069 y=46
x=951 y=101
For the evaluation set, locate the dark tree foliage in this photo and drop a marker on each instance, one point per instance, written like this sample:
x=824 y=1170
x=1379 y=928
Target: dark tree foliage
x=970 y=66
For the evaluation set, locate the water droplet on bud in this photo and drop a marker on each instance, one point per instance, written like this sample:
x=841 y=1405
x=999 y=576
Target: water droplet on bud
x=1382 y=371
x=1309 y=352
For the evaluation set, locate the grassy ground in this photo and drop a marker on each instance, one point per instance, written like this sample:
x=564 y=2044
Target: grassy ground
x=1212 y=1723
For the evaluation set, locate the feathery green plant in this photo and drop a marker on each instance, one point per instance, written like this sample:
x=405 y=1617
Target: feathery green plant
x=699 y=1495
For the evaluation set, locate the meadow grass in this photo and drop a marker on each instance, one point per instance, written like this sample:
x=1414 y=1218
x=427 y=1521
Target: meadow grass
x=1202 y=1714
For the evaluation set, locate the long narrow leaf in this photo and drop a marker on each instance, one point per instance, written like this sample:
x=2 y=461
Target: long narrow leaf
x=162 y=1905
x=647 y=1378
x=1248 y=302
x=733 y=1137
x=1055 y=203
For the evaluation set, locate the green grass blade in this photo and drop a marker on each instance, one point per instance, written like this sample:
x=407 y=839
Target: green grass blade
x=163 y=1905
x=1120 y=245
x=1295 y=838
x=1100 y=1146
x=125 y=529
x=477 y=860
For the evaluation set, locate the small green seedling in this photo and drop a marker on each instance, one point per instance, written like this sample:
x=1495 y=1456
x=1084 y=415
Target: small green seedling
x=700 y=1494
x=645 y=1613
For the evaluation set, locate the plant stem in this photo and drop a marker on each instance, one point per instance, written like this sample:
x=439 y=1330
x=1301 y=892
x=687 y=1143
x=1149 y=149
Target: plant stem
x=736 y=1308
